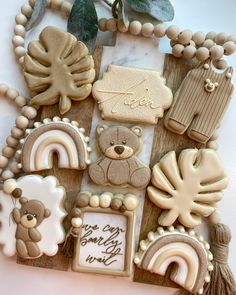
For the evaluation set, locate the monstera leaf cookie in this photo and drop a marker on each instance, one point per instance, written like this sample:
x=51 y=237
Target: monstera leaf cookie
x=57 y=68
x=188 y=188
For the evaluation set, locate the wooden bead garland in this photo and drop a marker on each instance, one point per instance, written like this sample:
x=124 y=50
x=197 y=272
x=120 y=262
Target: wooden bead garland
x=7 y=170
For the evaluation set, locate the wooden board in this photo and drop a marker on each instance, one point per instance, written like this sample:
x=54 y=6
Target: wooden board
x=70 y=179
x=163 y=141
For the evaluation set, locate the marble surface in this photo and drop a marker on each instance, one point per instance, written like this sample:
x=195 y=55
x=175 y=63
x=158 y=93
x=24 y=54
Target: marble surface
x=130 y=51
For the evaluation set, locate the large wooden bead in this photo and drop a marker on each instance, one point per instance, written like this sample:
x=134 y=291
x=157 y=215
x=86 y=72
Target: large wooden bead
x=21 y=19
x=32 y=3
x=130 y=202
x=8 y=152
x=3 y=161
x=229 y=47
x=147 y=30
x=102 y=24
x=29 y=112
x=14 y=167
x=56 y=4
x=202 y=53
x=3 y=89
x=20 y=30
x=172 y=32
x=208 y=43
x=16 y=132
x=189 y=52
x=66 y=7
x=9 y=186
x=121 y=26
x=116 y=203
x=185 y=36
x=221 y=64
x=178 y=50
x=105 y=199
x=221 y=38
x=94 y=201
x=211 y=35
x=22 y=122
x=199 y=38
x=159 y=30
x=20 y=101
x=135 y=27
x=18 y=41
x=11 y=141
x=83 y=199
x=232 y=38
x=112 y=25
x=216 y=52
x=7 y=174
x=27 y=10
x=12 y=93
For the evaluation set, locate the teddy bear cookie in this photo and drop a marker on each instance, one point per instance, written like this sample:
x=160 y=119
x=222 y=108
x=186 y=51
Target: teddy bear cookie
x=119 y=165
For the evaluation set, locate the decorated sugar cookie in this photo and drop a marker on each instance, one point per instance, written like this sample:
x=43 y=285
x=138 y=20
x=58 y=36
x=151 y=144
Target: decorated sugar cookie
x=58 y=136
x=105 y=238
x=188 y=251
x=189 y=188
x=31 y=218
x=58 y=69
x=132 y=95
x=119 y=165
x=200 y=103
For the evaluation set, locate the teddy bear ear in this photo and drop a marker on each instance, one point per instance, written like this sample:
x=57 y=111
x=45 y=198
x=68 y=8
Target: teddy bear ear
x=47 y=213
x=137 y=130
x=23 y=200
x=101 y=128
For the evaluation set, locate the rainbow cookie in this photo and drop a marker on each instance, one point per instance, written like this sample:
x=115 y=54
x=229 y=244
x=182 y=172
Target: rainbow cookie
x=189 y=252
x=58 y=136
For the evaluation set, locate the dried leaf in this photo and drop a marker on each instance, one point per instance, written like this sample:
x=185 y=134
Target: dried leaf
x=161 y=10
x=37 y=14
x=83 y=22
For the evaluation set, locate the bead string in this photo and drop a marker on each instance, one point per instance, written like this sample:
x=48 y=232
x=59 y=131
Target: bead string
x=28 y=113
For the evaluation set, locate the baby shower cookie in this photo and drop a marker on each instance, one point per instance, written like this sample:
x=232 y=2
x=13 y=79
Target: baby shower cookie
x=132 y=95
x=58 y=136
x=31 y=218
x=58 y=69
x=119 y=165
x=200 y=102
x=186 y=249
x=189 y=188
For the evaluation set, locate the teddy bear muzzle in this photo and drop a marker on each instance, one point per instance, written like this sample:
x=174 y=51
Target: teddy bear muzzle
x=119 y=152
x=28 y=220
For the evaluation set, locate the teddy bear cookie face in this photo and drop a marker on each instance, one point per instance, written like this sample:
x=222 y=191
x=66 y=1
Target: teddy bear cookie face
x=32 y=213
x=118 y=142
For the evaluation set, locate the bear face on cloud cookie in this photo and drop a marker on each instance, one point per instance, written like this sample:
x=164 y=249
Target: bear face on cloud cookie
x=119 y=165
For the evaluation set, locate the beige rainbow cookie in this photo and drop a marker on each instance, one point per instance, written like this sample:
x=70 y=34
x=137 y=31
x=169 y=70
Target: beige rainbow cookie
x=36 y=210
x=58 y=69
x=188 y=251
x=132 y=95
x=189 y=188
x=58 y=136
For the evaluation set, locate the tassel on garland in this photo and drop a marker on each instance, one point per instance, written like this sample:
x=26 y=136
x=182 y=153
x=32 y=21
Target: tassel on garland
x=222 y=279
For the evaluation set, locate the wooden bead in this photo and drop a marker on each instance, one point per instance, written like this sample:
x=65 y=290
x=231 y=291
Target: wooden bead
x=102 y=24
x=3 y=89
x=135 y=27
x=185 y=36
x=20 y=101
x=7 y=174
x=49 y=2
x=116 y=203
x=121 y=26
x=29 y=112
x=66 y=7
x=105 y=199
x=189 y=52
x=192 y=43
x=20 y=30
x=173 y=43
x=221 y=64
x=232 y=38
x=229 y=47
x=22 y=122
x=75 y=212
x=130 y=202
x=18 y=41
x=11 y=141
x=12 y=93
x=221 y=38
x=211 y=35
x=21 y=19
x=94 y=201
x=83 y=199
x=3 y=161
x=8 y=152
x=9 y=186
x=208 y=43
x=19 y=51
x=202 y=53
x=16 y=132
x=14 y=168
x=199 y=38
x=172 y=32
x=216 y=52
x=212 y=145
x=119 y=196
x=178 y=50
x=112 y=25
x=214 y=218
x=27 y=10
x=159 y=30
x=147 y=30
x=76 y=222
x=56 y=4
x=32 y=3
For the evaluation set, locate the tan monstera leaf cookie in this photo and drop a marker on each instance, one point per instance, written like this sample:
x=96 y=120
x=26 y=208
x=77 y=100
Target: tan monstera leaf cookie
x=189 y=188
x=57 y=68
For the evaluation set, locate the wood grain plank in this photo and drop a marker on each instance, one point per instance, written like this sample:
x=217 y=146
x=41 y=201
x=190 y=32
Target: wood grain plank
x=70 y=179
x=164 y=141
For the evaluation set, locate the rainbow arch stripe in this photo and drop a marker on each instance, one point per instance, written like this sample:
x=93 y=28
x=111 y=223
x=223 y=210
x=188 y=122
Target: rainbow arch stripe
x=60 y=137
x=190 y=255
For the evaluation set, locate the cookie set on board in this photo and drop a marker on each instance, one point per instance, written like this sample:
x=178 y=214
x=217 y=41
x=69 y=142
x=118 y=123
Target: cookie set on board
x=87 y=186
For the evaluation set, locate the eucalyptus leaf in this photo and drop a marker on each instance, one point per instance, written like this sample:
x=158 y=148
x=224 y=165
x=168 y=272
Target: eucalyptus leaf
x=161 y=10
x=37 y=14
x=124 y=13
x=83 y=22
